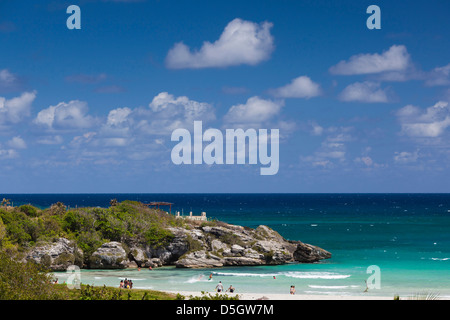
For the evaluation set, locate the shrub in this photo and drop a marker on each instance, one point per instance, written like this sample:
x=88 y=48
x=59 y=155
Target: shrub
x=194 y=245
x=29 y=210
x=24 y=281
x=2 y=231
x=209 y=296
x=49 y=227
x=88 y=242
x=157 y=236
x=231 y=239
x=99 y=293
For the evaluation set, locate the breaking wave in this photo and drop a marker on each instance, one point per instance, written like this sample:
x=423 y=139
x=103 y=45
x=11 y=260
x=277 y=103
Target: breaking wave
x=292 y=274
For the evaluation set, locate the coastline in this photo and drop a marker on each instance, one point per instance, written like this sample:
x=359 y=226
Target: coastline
x=287 y=297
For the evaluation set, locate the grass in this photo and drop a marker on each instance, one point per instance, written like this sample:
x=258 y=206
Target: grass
x=425 y=295
x=88 y=292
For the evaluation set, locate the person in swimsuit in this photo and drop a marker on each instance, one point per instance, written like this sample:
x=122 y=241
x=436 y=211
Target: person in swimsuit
x=230 y=289
x=219 y=287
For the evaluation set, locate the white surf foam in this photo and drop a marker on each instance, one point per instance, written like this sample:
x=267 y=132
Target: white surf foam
x=327 y=287
x=292 y=274
x=316 y=275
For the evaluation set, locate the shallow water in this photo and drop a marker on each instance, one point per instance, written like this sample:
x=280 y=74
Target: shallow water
x=405 y=235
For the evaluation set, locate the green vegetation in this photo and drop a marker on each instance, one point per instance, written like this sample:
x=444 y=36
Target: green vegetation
x=23 y=227
x=209 y=296
x=231 y=239
x=88 y=292
x=30 y=281
x=24 y=281
x=128 y=222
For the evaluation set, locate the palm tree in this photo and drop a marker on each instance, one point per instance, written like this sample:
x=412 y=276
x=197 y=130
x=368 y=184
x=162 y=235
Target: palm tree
x=5 y=202
x=58 y=208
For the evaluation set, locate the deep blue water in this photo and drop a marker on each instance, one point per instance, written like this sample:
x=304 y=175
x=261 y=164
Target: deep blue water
x=406 y=235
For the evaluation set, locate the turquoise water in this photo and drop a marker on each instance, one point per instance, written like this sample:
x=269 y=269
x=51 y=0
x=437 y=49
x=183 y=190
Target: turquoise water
x=326 y=278
x=406 y=235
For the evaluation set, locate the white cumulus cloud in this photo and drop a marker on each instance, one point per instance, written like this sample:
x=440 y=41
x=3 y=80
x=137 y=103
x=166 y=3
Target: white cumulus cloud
x=301 y=87
x=255 y=111
x=17 y=143
x=439 y=76
x=242 y=42
x=8 y=154
x=429 y=123
x=118 y=116
x=167 y=113
x=406 y=157
x=366 y=91
x=63 y=116
x=394 y=59
x=15 y=109
x=9 y=81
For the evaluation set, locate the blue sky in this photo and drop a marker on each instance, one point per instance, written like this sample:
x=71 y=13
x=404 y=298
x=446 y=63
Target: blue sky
x=92 y=110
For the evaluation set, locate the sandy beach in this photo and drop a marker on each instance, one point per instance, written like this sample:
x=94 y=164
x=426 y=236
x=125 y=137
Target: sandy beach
x=268 y=296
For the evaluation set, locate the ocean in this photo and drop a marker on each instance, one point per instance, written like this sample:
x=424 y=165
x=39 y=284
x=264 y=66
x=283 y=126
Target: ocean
x=405 y=238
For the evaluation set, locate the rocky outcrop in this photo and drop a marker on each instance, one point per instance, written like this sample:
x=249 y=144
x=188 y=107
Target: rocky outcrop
x=229 y=245
x=214 y=245
x=309 y=253
x=56 y=255
x=110 y=255
x=178 y=246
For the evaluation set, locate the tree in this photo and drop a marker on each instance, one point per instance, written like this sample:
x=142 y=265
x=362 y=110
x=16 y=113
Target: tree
x=58 y=208
x=5 y=202
x=2 y=231
x=24 y=281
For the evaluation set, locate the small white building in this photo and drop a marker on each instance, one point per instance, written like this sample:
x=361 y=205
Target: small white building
x=202 y=217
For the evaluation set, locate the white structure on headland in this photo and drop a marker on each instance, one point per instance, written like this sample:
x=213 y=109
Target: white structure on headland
x=202 y=217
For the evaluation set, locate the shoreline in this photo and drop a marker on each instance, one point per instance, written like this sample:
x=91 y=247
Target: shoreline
x=287 y=296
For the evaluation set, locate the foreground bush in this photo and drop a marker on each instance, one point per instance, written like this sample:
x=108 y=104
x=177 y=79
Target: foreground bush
x=209 y=296
x=24 y=281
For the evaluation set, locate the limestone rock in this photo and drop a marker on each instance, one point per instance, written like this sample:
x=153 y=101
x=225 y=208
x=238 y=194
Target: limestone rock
x=171 y=252
x=193 y=247
x=200 y=259
x=110 y=255
x=231 y=245
x=309 y=253
x=217 y=245
x=243 y=261
x=139 y=257
x=237 y=249
x=56 y=255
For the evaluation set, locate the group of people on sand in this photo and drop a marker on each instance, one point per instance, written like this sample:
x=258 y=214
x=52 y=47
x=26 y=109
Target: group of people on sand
x=219 y=288
x=126 y=284
x=292 y=290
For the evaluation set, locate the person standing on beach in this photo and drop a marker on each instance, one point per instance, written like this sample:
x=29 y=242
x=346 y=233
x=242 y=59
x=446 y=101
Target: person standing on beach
x=230 y=289
x=219 y=287
x=292 y=291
